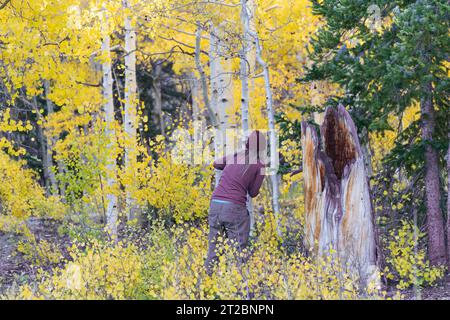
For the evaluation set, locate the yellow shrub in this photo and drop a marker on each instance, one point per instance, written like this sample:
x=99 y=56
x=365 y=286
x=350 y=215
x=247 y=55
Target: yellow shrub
x=39 y=253
x=269 y=273
x=100 y=272
x=20 y=194
x=177 y=190
x=169 y=264
x=406 y=264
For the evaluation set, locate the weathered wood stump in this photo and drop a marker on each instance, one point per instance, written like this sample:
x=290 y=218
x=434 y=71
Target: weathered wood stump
x=338 y=209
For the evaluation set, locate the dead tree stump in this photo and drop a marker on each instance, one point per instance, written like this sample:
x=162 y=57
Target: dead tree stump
x=338 y=210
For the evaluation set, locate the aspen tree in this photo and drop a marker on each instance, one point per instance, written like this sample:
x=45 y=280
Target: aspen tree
x=107 y=83
x=130 y=105
x=273 y=143
x=448 y=201
x=244 y=75
x=49 y=142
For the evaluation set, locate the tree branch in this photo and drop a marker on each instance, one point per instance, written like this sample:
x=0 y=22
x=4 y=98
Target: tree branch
x=4 y=4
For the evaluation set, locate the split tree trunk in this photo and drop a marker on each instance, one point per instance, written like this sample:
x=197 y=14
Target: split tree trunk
x=338 y=209
x=111 y=173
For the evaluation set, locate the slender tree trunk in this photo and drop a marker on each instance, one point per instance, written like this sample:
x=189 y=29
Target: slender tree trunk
x=62 y=187
x=157 y=97
x=46 y=167
x=220 y=93
x=49 y=141
x=245 y=97
x=44 y=155
x=224 y=78
x=130 y=105
x=210 y=103
x=367 y=155
x=251 y=49
x=245 y=66
x=203 y=79
x=47 y=164
x=198 y=122
x=111 y=170
x=435 y=221
x=448 y=202
x=193 y=87
x=274 y=160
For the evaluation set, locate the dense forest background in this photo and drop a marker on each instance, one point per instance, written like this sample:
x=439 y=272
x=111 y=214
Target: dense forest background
x=111 y=113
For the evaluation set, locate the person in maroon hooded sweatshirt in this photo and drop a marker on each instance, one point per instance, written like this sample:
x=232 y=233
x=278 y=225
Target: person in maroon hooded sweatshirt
x=242 y=174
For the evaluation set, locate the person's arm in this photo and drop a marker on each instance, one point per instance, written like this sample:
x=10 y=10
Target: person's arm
x=255 y=185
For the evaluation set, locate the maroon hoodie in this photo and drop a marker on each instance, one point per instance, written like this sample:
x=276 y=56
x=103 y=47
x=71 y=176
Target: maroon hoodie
x=242 y=173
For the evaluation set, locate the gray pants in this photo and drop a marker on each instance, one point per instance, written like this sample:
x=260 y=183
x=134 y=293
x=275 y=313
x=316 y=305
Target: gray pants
x=231 y=221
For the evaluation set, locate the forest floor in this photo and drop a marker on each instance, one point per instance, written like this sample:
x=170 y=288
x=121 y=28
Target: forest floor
x=441 y=291
x=10 y=263
x=16 y=267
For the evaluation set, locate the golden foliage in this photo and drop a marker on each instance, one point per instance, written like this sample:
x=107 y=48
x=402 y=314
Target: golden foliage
x=20 y=194
x=170 y=266
x=407 y=264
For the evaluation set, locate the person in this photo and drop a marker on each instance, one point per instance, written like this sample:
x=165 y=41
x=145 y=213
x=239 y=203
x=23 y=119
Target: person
x=242 y=174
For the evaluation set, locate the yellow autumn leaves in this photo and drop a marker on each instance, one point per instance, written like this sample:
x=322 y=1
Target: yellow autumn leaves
x=407 y=262
x=169 y=265
x=20 y=194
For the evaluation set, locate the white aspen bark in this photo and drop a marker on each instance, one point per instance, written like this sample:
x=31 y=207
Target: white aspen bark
x=245 y=66
x=210 y=103
x=272 y=133
x=204 y=82
x=224 y=80
x=193 y=87
x=251 y=50
x=130 y=103
x=197 y=121
x=245 y=98
x=111 y=198
x=338 y=210
x=215 y=68
x=213 y=56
